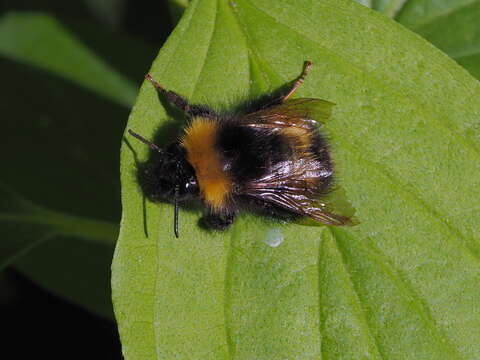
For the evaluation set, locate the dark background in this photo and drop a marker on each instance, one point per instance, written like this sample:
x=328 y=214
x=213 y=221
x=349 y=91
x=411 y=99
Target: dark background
x=36 y=322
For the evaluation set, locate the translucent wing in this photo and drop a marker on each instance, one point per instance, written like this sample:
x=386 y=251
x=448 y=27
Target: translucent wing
x=304 y=113
x=296 y=185
x=334 y=205
x=293 y=186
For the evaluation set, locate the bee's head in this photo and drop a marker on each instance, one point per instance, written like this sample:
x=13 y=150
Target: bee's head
x=168 y=176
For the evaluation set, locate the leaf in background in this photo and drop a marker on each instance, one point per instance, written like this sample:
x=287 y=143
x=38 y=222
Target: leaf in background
x=401 y=285
x=177 y=8
x=39 y=40
x=110 y=12
x=31 y=233
x=59 y=156
x=452 y=26
x=63 y=139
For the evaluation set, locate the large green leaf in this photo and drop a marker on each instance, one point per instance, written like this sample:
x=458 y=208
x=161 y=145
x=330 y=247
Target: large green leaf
x=401 y=285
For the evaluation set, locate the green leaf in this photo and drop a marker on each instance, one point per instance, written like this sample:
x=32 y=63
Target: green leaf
x=401 y=285
x=59 y=182
x=73 y=250
x=60 y=207
x=33 y=38
x=26 y=219
x=451 y=25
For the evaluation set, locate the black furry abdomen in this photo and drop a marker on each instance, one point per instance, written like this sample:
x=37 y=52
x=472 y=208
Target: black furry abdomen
x=250 y=153
x=320 y=148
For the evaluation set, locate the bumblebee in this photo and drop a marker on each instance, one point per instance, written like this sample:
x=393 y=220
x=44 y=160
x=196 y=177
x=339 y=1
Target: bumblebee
x=272 y=160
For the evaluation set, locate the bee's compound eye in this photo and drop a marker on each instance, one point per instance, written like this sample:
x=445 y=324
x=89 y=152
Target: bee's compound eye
x=189 y=187
x=192 y=181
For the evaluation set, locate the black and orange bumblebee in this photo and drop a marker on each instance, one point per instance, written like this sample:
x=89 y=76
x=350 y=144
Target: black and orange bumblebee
x=273 y=159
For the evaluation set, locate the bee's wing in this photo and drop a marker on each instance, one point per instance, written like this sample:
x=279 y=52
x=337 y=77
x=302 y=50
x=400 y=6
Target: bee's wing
x=334 y=209
x=292 y=185
x=304 y=113
x=289 y=189
x=298 y=203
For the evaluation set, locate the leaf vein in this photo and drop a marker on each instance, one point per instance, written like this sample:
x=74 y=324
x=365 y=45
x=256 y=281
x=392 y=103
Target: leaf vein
x=359 y=301
x=412 y=196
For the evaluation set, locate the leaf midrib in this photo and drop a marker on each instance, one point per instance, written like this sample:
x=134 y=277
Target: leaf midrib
x=423 y=204
x=404 y=289
x=195 y=82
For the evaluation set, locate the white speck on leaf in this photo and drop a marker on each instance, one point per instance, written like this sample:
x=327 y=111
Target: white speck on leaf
x=274 y=237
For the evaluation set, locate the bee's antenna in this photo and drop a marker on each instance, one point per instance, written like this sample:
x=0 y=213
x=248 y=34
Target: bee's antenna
x=145 y=141
x=175 y=212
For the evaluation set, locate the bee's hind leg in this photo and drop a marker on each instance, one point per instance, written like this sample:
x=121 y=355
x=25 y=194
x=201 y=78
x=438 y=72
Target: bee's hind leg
x=269 y=101
x=299 y=81
x=182 y=103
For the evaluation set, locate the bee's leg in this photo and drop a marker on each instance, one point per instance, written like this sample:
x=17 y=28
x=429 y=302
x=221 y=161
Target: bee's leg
x=306 y=67
x=269 y=101
x=218 y=221
x=182 y=103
